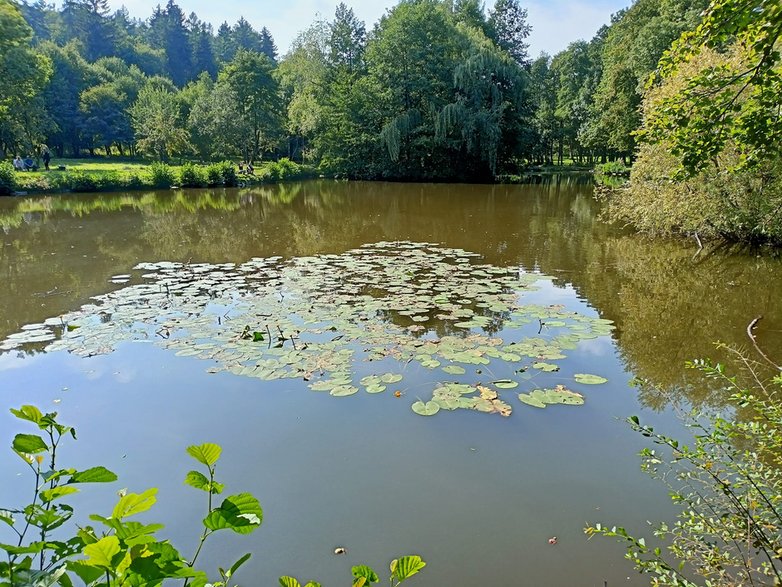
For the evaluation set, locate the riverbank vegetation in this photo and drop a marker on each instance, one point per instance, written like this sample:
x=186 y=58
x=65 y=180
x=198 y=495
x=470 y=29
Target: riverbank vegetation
x=727 y=483
x=79 y=175
x=436 y=90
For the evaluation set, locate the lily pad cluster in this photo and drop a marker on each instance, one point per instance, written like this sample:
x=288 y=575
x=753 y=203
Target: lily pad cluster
x=359 y=321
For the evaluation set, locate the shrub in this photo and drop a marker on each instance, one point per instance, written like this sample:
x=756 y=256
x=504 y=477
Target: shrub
x=191 y=176
x=78 y=181
x=118 y=551
x=214 y=174
x=161 y=175
x=228 y=173
x=134 y=181
x=612 y=168
x=7 y=179
x=728 y=485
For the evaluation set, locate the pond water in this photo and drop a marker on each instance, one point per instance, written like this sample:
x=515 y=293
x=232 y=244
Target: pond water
x=279 y=322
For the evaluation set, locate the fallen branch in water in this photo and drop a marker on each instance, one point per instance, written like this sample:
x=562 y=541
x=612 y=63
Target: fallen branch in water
x=750 y=332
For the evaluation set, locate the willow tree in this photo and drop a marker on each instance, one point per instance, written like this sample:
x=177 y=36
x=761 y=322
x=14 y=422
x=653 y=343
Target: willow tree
x=410 y=61
x=489 y=101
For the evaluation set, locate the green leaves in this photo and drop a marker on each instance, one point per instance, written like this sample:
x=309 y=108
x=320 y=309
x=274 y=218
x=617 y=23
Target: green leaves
x=101 y=553
x=93 y=475
x=363 y=575
x=589 y=379
x=49 y=495
x=199 y=481
x=29 y=444
x=134 y=503
x=241 y=513
x=29 y=413
x=540 y=398
x=206 y=453
x=406 y=567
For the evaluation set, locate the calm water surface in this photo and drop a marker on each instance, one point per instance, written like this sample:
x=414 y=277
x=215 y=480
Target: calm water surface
x=477 y=495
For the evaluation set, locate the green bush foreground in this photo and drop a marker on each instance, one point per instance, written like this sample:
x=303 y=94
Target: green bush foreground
x=118 y=551
x=728 y=486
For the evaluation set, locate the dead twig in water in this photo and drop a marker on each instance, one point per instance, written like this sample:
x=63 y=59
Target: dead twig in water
x=750 y=332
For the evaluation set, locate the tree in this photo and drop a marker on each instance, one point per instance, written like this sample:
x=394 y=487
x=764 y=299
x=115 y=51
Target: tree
x=155 y=116
x=24 y=73
x=347 y=39
x=216 y=124
x=489 y=100
x=633 y=44
x=302 y=77
x=250 y=76
x=71 y=75
x=105 y=120
x=725 y=106
x=509 y=28
x=267 y=46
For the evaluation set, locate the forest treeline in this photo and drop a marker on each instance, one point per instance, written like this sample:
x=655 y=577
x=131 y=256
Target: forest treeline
x=437 y=89
x=686 y=90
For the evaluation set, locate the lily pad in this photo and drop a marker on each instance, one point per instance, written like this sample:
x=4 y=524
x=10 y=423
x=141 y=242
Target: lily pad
x=454 y=370
x=540 y=398
x=505 y=384
x=425 y=409
x=588 y=379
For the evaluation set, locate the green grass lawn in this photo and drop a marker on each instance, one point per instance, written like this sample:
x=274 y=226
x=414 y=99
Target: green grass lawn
x=94 y=165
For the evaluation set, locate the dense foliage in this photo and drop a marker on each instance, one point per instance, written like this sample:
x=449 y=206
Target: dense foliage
x=709 y=163
x=435 y=90
x=728 y=485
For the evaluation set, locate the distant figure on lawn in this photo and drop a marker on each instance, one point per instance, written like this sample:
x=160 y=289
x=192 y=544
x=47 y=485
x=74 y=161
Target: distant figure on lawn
x=18 y=163
x=47 y=156
x=29 y=164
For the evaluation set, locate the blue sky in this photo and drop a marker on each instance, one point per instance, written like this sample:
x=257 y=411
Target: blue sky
x=556 y=23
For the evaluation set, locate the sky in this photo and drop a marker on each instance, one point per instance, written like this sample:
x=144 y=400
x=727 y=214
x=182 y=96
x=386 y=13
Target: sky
x=555 y=23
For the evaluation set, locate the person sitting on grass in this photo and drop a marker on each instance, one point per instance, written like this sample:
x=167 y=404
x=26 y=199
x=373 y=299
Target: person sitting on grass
x=250 y=169
x=29 y=164
x=18 y=163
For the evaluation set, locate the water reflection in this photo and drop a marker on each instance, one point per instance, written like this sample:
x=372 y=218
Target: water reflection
x=669 y=306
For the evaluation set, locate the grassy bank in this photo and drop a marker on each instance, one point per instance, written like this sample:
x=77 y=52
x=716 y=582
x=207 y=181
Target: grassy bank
x=91 y=175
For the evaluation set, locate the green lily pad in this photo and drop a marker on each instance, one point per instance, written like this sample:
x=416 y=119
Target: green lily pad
x=425 y=409
x=505 y=384
x=390 y=378
x=540 y=398
x=547 y=367
x=343 y=390
x=588 y=379
x=454 y=370
x=375 y=388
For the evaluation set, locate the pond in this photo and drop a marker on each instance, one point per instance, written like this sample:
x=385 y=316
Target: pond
x=391 y=368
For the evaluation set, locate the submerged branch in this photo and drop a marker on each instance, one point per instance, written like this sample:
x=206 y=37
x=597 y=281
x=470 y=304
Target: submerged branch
x=750 y=332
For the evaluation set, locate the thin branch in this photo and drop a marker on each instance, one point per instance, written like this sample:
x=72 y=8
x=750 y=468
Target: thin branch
x=750 y=332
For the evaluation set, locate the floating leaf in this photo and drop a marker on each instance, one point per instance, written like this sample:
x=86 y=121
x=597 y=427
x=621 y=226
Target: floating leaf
x=454 y=370
x=505 y=384
x=425 y=409
x=548 y=367
x=390 y=378
x=540 y=398
x=588 y=379
x=343 y=390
